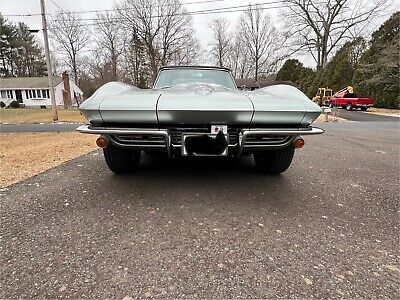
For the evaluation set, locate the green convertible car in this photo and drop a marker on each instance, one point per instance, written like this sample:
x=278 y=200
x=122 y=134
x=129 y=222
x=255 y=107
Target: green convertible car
x=198 y=111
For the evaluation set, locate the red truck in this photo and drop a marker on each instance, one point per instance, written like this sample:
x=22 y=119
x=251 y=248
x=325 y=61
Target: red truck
x=347 y=99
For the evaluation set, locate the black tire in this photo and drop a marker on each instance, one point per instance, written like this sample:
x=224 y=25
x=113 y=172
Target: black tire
x=274 y=161
x=121 y=160
x=349 y=106
x=364 y=108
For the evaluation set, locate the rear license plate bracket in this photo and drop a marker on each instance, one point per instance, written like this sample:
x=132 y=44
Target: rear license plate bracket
x=184 y=151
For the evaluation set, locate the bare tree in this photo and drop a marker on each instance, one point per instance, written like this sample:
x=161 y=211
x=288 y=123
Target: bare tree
x=239 y=58
x=221 y=41
x=176 y=35
x=71 y=37
x=319 y=26
x=136 y=69
x=188 y=53
x=163 y=26
x=261 y=39
x=109 y=38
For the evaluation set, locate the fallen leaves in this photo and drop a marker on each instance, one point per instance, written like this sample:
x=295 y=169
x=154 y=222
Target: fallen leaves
x=308 y=281
x=392 y=268
x=62 y=289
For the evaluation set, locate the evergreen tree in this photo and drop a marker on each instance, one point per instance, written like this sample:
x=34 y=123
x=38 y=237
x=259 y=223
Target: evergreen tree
x=20 y=54
x=7 y=43
x=290 y=71
x=294 y=71
x=379 y=69
x=340 y=70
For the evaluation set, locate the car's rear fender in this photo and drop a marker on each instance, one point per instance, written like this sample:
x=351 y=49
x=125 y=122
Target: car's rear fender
x=282 y=104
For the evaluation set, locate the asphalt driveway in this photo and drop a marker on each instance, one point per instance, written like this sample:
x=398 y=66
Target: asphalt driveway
x=362 y=116
x=211 y=228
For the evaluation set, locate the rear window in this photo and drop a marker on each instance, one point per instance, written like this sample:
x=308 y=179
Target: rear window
x=171 y=77
x=350 y=95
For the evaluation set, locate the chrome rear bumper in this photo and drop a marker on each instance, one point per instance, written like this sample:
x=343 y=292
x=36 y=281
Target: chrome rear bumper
x=103 y=130
x=252 y=140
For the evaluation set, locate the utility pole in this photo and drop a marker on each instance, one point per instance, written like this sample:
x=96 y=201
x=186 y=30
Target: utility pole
x=48 y=62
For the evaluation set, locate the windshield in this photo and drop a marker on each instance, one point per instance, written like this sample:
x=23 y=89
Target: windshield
x=171 y=77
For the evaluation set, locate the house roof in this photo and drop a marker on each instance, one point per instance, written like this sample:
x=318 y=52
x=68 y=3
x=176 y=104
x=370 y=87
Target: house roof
x=27 y=82
x=251 y=83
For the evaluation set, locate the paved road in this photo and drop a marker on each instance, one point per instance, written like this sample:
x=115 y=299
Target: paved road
x=358 y=115
x=211 y=228
x=9 y=128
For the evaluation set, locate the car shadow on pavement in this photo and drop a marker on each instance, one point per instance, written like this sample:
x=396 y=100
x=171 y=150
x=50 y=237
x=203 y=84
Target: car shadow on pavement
x=231 y=180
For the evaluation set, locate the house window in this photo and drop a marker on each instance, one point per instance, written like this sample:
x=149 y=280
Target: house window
x=44 y=94
x=33 y=94
x=48 y=94
x=30 y=93
x=3 y=94
x=39 y=94
x=9 y=94
x=26 y=94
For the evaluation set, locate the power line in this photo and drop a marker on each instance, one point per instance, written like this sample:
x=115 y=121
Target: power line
x=198 y=13
x=228 y=9
x=109 y=10
x=59 y=7
x=24 y=15
x=163 y=5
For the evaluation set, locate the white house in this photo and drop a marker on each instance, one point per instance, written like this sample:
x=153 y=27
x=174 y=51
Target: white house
x=34 y=91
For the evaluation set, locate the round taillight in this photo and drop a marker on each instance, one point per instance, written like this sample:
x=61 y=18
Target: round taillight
x=298 y=143
x=102 y=142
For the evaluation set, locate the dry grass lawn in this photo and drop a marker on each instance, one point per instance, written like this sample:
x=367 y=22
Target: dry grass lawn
x=23 y=155
x=329 y=118
x=36 y=115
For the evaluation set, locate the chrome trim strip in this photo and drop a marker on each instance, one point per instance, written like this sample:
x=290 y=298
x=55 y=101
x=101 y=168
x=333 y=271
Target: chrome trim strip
x=284 y=143
x=293 y=132
x=279 y=131
x=103 y=130
x=179 y=146
x=132 y=146
x=115 y=131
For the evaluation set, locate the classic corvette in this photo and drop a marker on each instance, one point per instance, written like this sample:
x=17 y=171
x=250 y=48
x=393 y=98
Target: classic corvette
x=198 y=111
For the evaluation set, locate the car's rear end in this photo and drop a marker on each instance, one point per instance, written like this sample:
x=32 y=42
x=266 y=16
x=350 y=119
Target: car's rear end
x=167 y=119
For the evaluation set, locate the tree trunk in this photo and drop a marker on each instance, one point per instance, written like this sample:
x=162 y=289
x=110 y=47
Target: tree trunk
x=75 y=69
x=256 y=70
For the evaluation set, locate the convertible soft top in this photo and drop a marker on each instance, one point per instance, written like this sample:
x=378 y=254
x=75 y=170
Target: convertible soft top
x=194 y=67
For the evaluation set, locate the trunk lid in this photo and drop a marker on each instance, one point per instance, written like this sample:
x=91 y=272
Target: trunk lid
x=203 y=104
